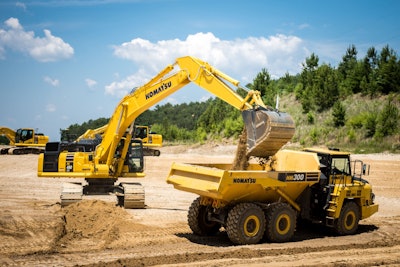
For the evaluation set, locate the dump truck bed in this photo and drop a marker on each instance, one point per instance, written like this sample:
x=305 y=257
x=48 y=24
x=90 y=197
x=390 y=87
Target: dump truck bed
x=221 y=184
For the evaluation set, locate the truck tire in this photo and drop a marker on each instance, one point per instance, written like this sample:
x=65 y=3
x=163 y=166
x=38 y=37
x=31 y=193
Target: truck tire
x=198 y=220
x=347 y=223
x=245 y=224
x=281 y=222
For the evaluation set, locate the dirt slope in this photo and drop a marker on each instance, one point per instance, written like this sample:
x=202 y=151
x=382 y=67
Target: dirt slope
x=35 y=231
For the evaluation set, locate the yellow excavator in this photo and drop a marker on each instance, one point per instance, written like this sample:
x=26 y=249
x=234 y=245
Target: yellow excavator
x=150 y=140
x=23 y=141
x=119 y=154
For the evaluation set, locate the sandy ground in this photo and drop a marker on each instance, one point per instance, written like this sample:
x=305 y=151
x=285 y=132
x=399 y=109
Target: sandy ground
x=36 y=231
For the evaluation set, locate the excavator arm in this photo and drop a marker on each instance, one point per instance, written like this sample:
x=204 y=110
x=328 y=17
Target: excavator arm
x=9 y=134
x=160 y=87
x=120 y=155
x=266 y=128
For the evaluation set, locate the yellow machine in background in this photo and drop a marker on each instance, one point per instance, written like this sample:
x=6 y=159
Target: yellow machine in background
x=150 y=140
x=119 y=154
x=23 y=141
x=263 y=202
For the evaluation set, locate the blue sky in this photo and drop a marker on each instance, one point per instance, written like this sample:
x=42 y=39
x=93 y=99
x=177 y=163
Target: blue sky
x=65 y=62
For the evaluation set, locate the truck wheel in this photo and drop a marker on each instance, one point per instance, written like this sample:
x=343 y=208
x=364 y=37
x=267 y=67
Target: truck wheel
x=281 y=222
x=198 y=220
x=347 y=223
x=245 y=224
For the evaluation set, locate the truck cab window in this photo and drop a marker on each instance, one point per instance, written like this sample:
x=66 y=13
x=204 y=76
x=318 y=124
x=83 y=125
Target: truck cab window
x=340 y=166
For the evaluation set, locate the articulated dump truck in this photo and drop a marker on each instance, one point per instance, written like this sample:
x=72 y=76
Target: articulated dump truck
x=264 y=201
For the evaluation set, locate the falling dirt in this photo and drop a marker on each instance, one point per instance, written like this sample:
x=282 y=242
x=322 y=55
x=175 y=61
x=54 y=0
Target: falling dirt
x=241 y=161
x=36 y=231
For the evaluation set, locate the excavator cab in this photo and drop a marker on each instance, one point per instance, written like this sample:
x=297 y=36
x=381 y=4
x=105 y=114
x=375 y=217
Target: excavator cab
x=267 y=131
x=23 y=135
x=134 y=159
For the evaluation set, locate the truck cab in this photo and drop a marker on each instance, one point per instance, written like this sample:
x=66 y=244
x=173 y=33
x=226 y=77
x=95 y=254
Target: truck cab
x=342 y=197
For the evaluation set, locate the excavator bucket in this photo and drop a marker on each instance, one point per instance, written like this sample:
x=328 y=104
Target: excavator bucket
x=267 y=131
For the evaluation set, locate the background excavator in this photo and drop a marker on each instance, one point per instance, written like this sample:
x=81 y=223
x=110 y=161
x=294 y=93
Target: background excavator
x=151 y=141
x=23 y=141
x=119 y=154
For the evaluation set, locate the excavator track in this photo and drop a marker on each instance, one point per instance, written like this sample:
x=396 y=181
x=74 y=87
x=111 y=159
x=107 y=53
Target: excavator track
x=71 y=193
x=133 y=196
x=267 y=131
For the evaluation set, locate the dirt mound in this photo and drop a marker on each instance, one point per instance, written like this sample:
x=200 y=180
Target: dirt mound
x=96 y=224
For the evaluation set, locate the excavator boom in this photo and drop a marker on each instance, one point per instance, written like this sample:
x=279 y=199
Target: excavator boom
x=265 y=126
x=267 y=129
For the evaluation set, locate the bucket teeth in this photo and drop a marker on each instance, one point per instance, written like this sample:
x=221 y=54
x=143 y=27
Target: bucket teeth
x=267 y=131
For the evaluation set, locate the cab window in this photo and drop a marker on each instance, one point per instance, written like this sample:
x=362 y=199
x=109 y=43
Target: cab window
x=340 y=166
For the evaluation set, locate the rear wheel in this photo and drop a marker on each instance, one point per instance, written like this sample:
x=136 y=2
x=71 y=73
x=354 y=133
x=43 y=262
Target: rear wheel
x=347 y=224
x=198 y=220
x=281 y=222
x=245 y=224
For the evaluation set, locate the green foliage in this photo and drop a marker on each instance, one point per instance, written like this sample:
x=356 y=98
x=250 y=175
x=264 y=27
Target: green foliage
x=4 y=140
x=233 y=127
x=75 y=130
x=314 y=135
x=388 y=119
x=310 y=117
x=339 y=114
x=370 y=124
x=351 y=135
x=332 y=98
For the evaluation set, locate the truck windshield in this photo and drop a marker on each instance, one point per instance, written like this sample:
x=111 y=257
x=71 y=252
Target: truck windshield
x=340 y=166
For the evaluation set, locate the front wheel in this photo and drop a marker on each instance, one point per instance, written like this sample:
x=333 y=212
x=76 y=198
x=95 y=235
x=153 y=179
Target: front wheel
x=245 y=224
x=281 y=222
x=198 y=220
x=347 y=223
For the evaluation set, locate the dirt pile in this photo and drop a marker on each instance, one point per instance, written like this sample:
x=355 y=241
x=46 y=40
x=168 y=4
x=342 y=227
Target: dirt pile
x=36 y=231
x=98 y=224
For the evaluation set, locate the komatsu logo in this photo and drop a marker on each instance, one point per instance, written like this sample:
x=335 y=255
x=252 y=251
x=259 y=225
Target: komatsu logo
x=244 y=181
x=163 y=87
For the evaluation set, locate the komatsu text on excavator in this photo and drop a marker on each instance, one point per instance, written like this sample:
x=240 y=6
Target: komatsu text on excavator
x=120 y=155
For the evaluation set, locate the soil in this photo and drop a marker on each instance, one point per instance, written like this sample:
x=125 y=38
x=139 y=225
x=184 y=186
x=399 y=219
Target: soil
x=36 y=231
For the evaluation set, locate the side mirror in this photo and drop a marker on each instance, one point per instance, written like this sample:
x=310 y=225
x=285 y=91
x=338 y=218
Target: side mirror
x=365 y=169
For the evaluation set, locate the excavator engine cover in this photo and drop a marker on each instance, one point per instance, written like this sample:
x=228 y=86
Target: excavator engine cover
x=267 y=131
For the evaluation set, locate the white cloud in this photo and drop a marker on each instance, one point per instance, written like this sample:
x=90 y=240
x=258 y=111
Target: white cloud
x=50 y=108
x=21 y=5
x=44 y=49
x=52 y=82
x=123 y=87
x=242 y=59
x=90 y=83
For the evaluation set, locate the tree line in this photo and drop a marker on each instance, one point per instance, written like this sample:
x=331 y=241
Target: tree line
x=319 y=87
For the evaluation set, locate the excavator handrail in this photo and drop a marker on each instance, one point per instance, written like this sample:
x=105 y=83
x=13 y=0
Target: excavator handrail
x=158 y=88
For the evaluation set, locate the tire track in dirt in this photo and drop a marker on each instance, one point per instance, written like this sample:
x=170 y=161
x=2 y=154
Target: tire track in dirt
x=36 y=232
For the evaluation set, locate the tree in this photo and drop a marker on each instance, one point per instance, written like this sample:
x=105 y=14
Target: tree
x=350 y=72
x=325 y=87
x=389 y=71
x=306 y=96
x=388 y=119
x=262 y=83
x=339 y=114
